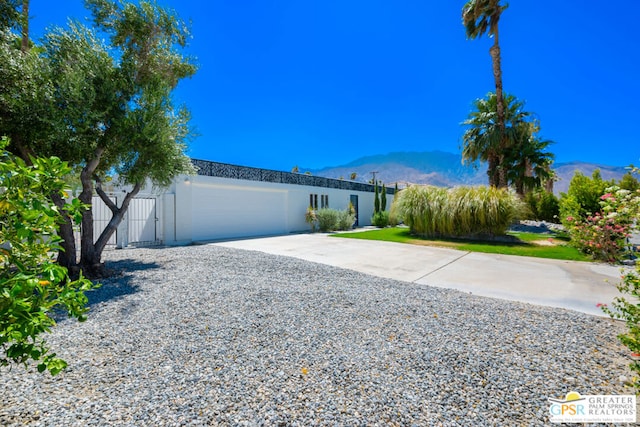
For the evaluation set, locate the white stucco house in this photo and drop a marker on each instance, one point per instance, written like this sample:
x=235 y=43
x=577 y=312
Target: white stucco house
x=226 y=201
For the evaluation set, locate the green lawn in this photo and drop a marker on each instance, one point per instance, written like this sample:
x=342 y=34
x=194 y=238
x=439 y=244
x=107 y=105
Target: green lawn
x=528 y=244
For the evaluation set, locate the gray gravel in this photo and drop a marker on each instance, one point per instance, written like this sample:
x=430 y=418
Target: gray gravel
x=205 y=335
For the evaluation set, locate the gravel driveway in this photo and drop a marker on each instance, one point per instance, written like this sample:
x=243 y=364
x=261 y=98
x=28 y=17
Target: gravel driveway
x=206 y=335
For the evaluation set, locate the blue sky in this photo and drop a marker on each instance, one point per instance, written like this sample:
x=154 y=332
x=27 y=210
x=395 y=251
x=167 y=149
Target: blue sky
x=321 y=83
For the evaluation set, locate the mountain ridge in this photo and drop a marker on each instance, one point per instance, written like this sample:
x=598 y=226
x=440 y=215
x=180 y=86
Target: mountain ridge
x=445 y=169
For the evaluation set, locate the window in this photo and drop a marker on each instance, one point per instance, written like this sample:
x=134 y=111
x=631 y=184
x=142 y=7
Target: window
x=313 y=201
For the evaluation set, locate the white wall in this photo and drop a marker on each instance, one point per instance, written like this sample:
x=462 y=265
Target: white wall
x=210 y=208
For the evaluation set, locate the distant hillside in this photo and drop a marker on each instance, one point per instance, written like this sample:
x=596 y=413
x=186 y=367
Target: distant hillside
x=565 y=172
x=431 y=167
x=443 y=169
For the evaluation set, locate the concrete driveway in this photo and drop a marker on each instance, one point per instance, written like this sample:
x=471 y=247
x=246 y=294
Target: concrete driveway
x=566 y=284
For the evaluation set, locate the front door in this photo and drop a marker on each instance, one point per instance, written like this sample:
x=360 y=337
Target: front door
x=354 y=202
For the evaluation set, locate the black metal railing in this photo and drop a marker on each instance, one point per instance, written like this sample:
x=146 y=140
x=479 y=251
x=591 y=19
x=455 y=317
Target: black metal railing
x=224 y=170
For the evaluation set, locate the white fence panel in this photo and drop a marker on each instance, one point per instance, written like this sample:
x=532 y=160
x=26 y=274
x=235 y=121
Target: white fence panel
x=101 y=217
x=143 y=220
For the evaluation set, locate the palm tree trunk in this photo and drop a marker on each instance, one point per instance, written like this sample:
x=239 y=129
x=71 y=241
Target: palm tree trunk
x=492 y=170
x=24 y=45
x=497 y=77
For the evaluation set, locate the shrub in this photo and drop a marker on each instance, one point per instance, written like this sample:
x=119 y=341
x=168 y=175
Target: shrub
x=629 y=182
x=629 y=312
x=543 y=205
x=380 y=219
x=32 y=285
x=311 y=218
x=394 y=216
x=327 y=219
x=457 y=212
x=583 y=196
x=376 y=199
x=623 y=309
x=383 y=198
x=345 y=220
x=604 y=234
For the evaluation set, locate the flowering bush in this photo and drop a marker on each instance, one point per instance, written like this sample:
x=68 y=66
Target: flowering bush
x=629 y=312
x=628 y=207
x=604 y=234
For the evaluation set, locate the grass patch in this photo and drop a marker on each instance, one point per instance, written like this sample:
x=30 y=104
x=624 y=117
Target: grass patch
x=528 y=244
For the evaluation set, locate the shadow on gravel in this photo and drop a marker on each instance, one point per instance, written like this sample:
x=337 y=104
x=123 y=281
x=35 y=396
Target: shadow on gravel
x=119 y=282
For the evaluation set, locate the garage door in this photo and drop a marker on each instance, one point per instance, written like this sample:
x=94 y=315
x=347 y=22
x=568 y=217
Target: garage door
x=237 y=211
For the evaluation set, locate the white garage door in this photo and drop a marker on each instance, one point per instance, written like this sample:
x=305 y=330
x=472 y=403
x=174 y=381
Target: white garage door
x=235 y=211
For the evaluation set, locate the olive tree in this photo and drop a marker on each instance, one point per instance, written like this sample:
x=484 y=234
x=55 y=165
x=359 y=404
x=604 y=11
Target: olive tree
x=107 y=109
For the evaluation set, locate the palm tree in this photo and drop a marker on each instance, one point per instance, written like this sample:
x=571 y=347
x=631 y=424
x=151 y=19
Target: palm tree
x=480 y=17
x=516 y=152
x=486 y=138
x=529 y=163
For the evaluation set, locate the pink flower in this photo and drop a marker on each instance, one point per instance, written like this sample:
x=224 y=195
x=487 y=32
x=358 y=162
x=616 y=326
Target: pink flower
x=569 y=218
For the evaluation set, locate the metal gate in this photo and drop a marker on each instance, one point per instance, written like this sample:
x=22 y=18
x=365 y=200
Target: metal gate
x=139 y=225
x=142 y=221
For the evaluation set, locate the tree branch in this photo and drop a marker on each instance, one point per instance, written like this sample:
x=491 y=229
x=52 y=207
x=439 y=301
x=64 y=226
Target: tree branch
x=104 y=197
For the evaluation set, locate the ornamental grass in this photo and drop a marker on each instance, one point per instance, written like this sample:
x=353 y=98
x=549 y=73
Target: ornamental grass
x=458 y=212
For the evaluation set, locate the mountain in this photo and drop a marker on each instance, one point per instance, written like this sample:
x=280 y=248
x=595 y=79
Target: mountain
x=444 y=169
x=565 y=172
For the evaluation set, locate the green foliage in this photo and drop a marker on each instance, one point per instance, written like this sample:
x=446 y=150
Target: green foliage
x=383 y=198
x=628 y=310
x=603 y=235
x=481 y=16
x=543 y=205
x=311 y=218
x=625 y=309
x=520 y=246
x=518 y=153
x=104 y=107
x=31 y=284
x=26 y=94
x=352 y=210
x=9 y=14
x=327 y=219
x=394 y=218
x=380 y=219
x=458 y=212
x=346 y=219
x=629 y=182
x=583 y=197
x=376 y=199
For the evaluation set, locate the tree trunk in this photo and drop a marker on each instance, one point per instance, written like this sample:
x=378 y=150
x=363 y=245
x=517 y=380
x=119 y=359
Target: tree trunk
x=116 y=218
x=497 y=76
x=24 y=45
x=492 y=170
x=87 y=250
x=66 y=256
x=88 y=263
